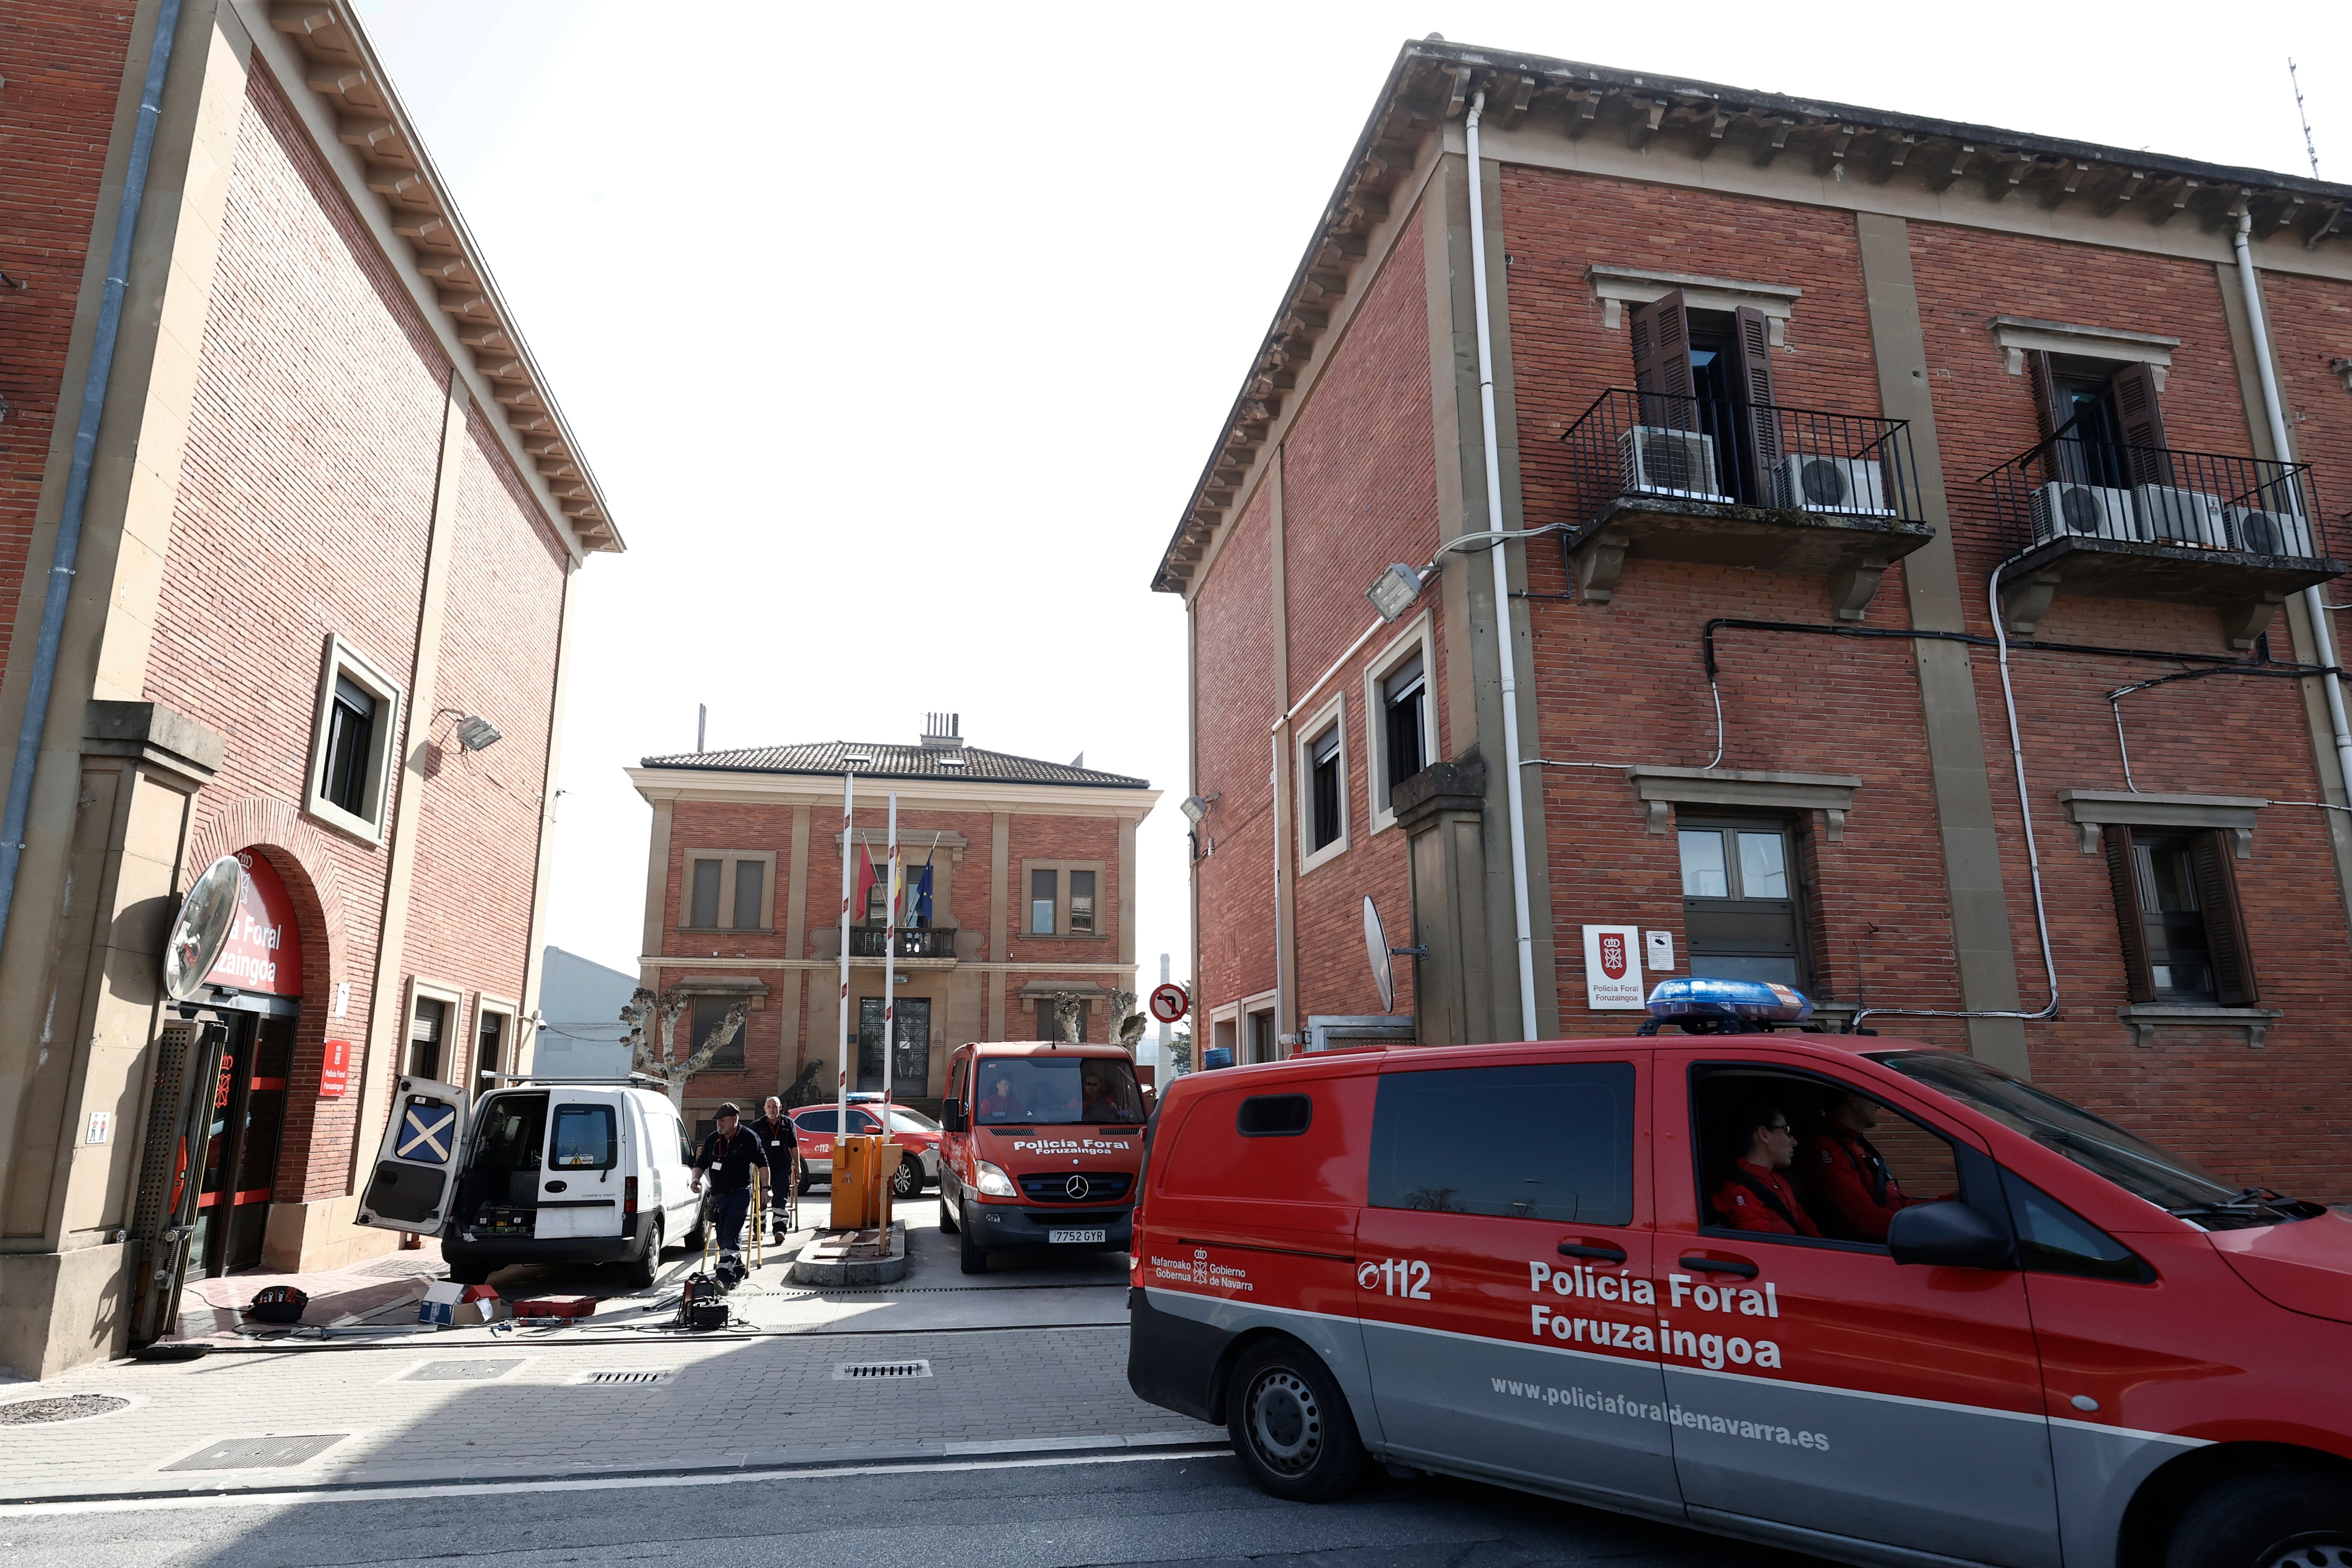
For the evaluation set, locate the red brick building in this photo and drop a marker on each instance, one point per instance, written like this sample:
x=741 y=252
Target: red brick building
x=327 y=514
x=1787 y=398
x=1032 y=896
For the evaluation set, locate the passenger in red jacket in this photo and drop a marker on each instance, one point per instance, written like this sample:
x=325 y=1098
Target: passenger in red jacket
x=1842 y=1167
x=1755 y=1195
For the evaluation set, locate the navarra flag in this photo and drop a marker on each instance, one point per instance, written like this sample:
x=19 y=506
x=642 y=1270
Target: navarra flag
x=866 y=881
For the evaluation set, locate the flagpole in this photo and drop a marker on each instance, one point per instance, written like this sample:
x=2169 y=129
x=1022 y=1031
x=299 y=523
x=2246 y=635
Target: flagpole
x=841 y=1083
x=890 y=970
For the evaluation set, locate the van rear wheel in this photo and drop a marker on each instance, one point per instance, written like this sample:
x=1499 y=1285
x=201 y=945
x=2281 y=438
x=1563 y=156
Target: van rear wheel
x=646 y=1266
x=1291 y=1425
x=2269 y=1519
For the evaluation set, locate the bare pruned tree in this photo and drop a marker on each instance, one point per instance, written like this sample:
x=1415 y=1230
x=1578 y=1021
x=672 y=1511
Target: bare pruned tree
x=1127 y=1023
x=664 y=1011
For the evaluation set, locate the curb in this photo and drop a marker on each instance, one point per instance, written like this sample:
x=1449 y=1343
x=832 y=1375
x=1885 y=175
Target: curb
x=779 y=1462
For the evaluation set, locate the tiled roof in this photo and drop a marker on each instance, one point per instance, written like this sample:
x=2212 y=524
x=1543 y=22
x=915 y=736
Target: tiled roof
x=824 y=757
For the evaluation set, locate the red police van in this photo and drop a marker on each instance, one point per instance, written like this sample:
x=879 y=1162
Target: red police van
x=1039 y=1147
x=1640 y=1273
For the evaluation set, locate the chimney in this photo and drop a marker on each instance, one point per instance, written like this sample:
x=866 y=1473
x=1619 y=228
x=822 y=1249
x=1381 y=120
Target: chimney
x=941 y=732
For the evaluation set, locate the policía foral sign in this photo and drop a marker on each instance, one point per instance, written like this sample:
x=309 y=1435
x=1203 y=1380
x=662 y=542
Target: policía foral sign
x=335 y=1068
x=1612 y=967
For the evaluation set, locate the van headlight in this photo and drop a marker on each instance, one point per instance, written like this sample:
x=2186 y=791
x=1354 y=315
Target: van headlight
x=992 y=1181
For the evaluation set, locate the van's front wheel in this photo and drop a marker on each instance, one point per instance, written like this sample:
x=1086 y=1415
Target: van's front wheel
x=2264 y=1520
x=1291 y=1425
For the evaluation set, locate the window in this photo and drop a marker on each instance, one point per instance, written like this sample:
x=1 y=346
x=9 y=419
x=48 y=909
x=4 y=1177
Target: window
x=1548 y=1142
x=1049 y=1022
x=2108 y=421
x=352 y=756
x=1739 y=903
x=729 y=890
x=1274 y=1117
x=1065 y=898
x=584 y=1139
x=1404 y=725
x=1323 y=819
x=494 y=1040
x=710 y=1013
x=2177 y=911
x=428 y=1027
x=2051 y=1239
x=1263 y=1045
x=1711 y=371
x=1853 y=1160
x=1040 y=1091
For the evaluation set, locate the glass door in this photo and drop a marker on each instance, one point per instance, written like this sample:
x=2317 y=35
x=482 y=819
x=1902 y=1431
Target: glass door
x=910 y=1069
x=249 y=1122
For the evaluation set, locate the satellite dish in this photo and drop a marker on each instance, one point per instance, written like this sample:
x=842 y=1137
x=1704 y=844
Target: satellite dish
x=1375 y=948
x=201 y=929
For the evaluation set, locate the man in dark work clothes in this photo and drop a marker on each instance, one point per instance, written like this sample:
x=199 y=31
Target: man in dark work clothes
x=729 y=1153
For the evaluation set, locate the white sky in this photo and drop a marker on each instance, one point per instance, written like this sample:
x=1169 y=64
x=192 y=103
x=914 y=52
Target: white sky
x=898 y=335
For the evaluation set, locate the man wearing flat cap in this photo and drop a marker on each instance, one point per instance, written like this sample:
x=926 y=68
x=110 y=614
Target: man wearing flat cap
x=730 y=1155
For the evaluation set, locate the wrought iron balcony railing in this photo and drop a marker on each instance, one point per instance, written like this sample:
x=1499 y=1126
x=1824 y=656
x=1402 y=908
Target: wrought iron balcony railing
x=1691 y=452
x=2072 y=489
x=906 y=942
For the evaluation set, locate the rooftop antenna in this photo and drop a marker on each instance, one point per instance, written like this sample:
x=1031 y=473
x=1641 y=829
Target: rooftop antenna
x=701 y=725
x=2309 y=150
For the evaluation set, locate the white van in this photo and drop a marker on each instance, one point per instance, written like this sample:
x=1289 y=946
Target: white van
x=539 y=1171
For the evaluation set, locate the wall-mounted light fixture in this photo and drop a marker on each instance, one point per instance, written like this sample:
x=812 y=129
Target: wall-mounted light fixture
x=475 y=732
x=1196 y=807
x=1393 y=592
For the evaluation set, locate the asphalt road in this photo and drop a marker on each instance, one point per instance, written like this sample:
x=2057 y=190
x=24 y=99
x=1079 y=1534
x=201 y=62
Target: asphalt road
x=1195 y=1511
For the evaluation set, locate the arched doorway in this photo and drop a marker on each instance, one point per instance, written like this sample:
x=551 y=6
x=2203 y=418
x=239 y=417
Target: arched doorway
x=254 y=996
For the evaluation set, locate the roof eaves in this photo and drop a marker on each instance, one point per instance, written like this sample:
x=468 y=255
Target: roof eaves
x=2005 y=160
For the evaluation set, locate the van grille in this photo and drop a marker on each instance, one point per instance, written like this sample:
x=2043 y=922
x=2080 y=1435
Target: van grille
x=863 y=1371
x=1077 y=1186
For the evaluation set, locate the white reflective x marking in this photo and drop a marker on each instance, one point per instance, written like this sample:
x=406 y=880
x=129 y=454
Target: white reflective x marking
x=427 y=1127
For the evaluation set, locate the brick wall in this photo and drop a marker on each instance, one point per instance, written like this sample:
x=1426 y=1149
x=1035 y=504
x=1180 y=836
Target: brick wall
x=1235 y=687
x=63 y=66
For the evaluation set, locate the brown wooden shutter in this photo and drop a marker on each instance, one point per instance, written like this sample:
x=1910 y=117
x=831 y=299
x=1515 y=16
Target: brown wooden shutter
x=2050 y=411
x=2141 y=415
x=1662 y=363
x=2225 y=925
x=2131 y=924
x=1751 y=347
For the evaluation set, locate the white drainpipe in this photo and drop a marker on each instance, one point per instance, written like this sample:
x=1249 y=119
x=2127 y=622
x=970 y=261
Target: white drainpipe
x=1527 y=941
x=2323 y=634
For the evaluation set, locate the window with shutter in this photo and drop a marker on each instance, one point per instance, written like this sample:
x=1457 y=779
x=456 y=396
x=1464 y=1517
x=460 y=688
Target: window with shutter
x=2125 y=882
x=2225 y=924
x=1323 y=827
x=704 y=911
x=1662 y=363
x=2139 y=414
x=1751 y=352
x=750 y=878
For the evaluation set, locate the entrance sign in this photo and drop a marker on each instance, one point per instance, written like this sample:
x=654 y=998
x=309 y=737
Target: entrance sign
x=264 y=949
x=1612 y=974
x=1169 y=1002
x=335 y=1070
x=201 y=929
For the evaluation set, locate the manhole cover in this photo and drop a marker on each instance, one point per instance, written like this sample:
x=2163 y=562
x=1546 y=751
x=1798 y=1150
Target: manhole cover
x=863 y=1371
x=259 y=1453
x=72 y=1407
x=462 y=1370
x=611 y=1379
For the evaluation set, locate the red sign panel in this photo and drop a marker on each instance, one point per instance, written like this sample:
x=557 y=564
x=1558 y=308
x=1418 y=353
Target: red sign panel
x=265 y=947
x=1615 y=957
x=335 y=1072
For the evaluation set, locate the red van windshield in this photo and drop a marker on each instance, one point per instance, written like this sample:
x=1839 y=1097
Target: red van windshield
x=1032 y=1091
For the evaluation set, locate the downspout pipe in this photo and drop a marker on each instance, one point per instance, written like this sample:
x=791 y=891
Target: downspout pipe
x=2323 y=634
x=1502 y=633
x=67 y=549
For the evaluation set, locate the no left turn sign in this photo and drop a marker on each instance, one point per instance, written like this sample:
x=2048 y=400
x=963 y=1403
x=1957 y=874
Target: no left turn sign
x=1169 y=1002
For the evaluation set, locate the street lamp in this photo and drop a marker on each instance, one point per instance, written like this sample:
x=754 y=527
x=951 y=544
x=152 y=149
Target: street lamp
x=1393 y=592
x=475 y=732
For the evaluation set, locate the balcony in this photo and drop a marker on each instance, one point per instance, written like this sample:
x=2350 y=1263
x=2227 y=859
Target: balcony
x=910 y=943
x=2109 y=520
x=1662 y=477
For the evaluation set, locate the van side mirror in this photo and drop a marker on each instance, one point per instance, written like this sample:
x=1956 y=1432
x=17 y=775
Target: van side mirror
x=951 y=1116
x=1949 y=1235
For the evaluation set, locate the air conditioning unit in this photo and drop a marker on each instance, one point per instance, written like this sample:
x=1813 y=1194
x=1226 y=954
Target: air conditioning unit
x=2171 y=515
x=1656 y=461
x=2268 y=533
x=1816 y=484
x=2067 y=510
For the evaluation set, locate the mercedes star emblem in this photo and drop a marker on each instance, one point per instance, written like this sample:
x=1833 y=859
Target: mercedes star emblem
x=1077 y=1186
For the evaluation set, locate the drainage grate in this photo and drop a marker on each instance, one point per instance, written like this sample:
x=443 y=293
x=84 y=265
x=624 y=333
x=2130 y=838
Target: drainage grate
x=72 y=1407
x=609 y=1379
x=860 y=1370
x=462 y=1370
x=259 y=1453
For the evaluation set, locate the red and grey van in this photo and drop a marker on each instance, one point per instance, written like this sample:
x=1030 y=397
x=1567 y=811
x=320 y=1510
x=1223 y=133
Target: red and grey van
x=1531 y=1264
x=1039 y=1146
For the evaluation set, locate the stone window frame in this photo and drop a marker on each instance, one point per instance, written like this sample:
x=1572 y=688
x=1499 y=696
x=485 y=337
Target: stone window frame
x=1614 y=287
x=340 y=659
x=1331 y=717
x=456 y=1044
x=1661 y=789
x=2092 y=812
x=1421 y=637
x=1062 y=870
x=727 y=859
x=2018 y=336
x=507 y=1008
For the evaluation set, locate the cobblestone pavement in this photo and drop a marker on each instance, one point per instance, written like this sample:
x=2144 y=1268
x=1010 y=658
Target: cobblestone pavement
x=437 y=1409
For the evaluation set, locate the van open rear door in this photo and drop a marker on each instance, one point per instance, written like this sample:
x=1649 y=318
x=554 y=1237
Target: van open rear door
x=416 y=1169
